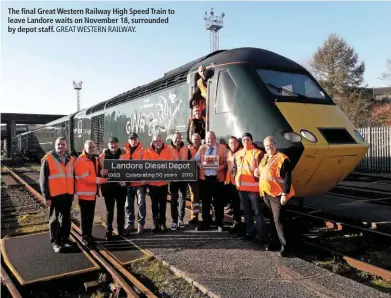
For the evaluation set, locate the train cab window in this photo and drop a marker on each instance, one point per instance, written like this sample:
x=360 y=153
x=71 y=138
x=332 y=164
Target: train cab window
x=284 y=83
x=226 y=93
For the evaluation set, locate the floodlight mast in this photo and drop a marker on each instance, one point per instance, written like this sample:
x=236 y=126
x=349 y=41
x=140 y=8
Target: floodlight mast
x=77 y=86
x=214 y=24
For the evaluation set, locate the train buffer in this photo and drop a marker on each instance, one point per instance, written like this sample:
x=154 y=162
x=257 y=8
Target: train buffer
x=31 y=259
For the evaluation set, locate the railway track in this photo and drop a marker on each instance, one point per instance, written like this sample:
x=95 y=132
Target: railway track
x=33 y=201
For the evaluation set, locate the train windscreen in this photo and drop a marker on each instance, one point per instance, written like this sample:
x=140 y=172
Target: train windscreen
x=291 y=84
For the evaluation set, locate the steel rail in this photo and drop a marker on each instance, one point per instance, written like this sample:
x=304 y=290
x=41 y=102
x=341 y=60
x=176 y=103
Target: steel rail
x=7 y=281
x=116 y=276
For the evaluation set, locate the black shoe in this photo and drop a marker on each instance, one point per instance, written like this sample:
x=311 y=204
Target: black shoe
x=193 y=221
x=68 y=243
x=84 y=242
x=264 y=247
x=156 y=229
x=163 y=227
x=109 y=236
x=203 y=227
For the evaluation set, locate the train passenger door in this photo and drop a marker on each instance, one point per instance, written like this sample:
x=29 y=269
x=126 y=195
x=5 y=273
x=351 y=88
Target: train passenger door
x=221 y=95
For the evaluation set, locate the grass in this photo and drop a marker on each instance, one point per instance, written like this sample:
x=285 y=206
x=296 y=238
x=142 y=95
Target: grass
x=162 y=281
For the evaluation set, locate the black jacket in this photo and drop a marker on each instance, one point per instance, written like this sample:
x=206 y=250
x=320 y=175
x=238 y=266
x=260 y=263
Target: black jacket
x=195 y=126
x=113 y=189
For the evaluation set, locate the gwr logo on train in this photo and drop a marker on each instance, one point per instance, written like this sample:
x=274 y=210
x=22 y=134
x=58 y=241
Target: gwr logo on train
x=155 y=117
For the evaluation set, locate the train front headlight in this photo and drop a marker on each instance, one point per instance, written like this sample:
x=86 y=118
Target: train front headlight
x=358 y=135
x=291 y=136
x=308 y=136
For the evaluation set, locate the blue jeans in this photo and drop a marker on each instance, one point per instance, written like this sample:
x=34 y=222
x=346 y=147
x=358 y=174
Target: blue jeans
x=132 y=193
x=252 y=200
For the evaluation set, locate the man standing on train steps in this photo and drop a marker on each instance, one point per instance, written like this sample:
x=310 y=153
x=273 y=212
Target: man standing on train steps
x=57 y=187
x=113 y=192
x=275 y=186
x=87 y=172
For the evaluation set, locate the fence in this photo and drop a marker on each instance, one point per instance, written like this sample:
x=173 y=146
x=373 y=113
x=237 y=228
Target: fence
x=378 y=157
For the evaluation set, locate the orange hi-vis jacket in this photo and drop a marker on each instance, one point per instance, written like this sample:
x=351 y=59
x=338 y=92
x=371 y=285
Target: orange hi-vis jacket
x=61 y=179
x=136 y=155
x=167 y=153
x=183 y=153
x=270 y=181
x=86 y=177
x=246 y=161
x=221 y=171
x=229 y=179
x=193 y=150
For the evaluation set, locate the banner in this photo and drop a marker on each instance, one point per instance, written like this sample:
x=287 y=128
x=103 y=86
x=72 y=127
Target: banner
x=150 y=170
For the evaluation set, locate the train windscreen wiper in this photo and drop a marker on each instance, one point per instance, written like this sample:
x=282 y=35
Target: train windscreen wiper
x=288 y=91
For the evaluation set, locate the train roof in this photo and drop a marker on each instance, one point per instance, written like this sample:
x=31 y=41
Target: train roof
x=255 y=56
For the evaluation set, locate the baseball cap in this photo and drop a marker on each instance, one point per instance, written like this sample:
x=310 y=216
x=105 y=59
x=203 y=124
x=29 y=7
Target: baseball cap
x=113 y=140
x=133 y=135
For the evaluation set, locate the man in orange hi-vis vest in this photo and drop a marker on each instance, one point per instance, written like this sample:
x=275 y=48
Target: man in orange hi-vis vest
x=158 y=190
x=246 y=161
x=57 y=187
x=87 y=172
x=275 y=186
x=213 y=165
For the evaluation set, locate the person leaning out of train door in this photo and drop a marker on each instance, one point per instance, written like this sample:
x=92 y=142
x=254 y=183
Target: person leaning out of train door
x=57 y=187
x=194 y=185
x=196 y=125
x=113 y=192
x=87 y=179
x=230 y=187
x=158 y=190
x=134 y=150
x=200 y=94
x=212 y=163
x=246 y=161
x=275 y=186
x=178 y=189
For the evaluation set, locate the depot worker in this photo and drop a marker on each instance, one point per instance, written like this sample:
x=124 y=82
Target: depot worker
x=87 y=179
x=158 y=190
x=231 y=193
x=57 y=187
x=194 y=186
x=196 y=124
x=246 y=161
x=212 y=182
x=178 y=189
x=200 y=94
x=275 y=186
x=113 y=192
x=134 y=150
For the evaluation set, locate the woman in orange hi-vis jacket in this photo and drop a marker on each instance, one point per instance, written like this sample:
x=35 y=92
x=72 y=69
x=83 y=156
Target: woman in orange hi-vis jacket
x=275 y=186
x=87 y=172
x=158 y=191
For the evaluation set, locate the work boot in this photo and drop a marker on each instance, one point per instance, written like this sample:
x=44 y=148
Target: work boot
x=130 y=229
x=68 y=243
x=193 y=221
x=140 y=229
x=109 y=235
x=163 y=227
x=155 y=228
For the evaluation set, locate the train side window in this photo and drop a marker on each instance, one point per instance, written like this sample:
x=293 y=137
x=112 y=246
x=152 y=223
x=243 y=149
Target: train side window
x=226 y=93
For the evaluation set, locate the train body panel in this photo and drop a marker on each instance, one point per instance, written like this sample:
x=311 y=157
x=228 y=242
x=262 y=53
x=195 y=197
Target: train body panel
x=251 y=90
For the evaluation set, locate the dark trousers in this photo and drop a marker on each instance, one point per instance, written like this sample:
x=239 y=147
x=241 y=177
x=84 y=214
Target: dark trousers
x=178 y=200
x=158 y=196
x=87 y=211
x=60 y=218
x=234 y=200
x=212 y=188
x=278 y=211
x=132 y=193
x=252 y=203
x=110 y=204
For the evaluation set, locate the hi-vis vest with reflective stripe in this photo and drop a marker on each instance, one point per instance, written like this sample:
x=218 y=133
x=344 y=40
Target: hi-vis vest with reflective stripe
x=86 y=179
x=270 y=181
x=183 y=153
x=229 y=179
x=220 y=148
x=136 y=155
x=246 y=163
x=204 y=91
x=61 y=179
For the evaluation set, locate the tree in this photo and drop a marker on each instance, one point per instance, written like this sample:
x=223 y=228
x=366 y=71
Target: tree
x=335 y=65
